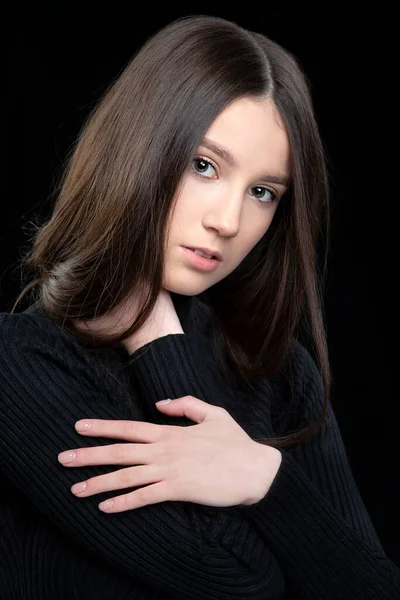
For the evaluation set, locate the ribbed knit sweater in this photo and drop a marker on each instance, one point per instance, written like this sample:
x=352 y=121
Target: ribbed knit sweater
x=310 y=537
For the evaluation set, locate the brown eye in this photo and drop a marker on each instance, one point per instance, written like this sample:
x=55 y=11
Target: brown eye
x=202 y=167
x=201 y=164
x=259 y=193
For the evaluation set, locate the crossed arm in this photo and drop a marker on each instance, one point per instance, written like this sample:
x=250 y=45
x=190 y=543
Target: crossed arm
x=293 y=526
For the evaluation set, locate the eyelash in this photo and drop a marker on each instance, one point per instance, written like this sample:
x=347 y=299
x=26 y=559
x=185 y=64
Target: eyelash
x=257 y=200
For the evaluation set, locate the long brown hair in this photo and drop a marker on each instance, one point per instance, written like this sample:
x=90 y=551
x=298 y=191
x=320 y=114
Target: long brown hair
x=107 y=232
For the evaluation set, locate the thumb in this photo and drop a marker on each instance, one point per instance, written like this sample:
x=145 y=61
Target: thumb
x=187 y=406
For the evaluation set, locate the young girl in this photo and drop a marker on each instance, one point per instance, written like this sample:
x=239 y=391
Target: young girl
x=181 y=262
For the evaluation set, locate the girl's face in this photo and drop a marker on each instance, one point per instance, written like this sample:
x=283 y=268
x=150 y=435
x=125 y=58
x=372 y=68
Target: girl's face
x=229 y=195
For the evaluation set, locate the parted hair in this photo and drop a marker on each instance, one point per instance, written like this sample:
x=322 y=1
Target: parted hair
x=105 y=238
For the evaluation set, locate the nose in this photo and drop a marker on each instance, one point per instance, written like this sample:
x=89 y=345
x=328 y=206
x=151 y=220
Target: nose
x=224 y=215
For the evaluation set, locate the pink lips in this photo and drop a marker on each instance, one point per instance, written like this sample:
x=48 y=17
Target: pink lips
x=201 y=263
x=213 y=253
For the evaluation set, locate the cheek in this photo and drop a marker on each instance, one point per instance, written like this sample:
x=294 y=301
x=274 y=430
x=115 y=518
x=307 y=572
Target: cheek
x=188 y=211
x=254 y=230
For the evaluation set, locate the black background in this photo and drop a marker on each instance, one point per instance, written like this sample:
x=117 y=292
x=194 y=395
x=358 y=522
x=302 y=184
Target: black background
x=62 y=59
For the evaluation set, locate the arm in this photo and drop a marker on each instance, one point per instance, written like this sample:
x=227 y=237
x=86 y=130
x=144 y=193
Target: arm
x=47 y=382
x=313 y=517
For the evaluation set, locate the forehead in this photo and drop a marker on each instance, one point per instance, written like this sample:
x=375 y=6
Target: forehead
x=249 y=111
x=253 y=131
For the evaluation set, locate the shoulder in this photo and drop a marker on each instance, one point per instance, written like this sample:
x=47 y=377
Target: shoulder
x=299 y=391
x=33 y=346
x=301 y=367
x=22 y=328
x=34 y=329
x=299 y=371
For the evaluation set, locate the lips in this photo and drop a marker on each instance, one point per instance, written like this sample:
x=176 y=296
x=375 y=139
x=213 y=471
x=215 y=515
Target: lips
x=208 y=251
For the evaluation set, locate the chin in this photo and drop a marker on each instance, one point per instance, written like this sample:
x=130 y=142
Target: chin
x=186 y=286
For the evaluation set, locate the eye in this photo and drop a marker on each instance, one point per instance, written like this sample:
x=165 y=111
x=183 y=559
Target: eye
x=201 y=167
x=259 y=193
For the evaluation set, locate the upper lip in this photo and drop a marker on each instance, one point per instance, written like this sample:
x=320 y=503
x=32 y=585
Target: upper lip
x=206 y=251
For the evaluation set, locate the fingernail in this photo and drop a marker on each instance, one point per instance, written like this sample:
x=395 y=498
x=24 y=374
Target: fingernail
x=79 y=487
x=163 y=401
x=66 y=457
x=82 y=426
x=106 y=505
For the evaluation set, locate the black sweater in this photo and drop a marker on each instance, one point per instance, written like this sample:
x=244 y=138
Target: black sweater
x=310 y=537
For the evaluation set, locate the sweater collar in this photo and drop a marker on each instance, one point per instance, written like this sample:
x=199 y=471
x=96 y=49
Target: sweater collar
x=184 y=309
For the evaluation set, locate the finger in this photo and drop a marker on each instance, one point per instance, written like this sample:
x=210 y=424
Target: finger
x=118 y=480
x=193 y=408
x=152 y=494
x=132 y=431
x=114 y=454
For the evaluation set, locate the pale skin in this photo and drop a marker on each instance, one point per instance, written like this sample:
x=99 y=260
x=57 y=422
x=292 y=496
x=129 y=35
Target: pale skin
x=227 y=207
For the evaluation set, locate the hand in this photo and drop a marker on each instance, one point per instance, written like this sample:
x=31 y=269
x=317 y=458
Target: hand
x=214 y=462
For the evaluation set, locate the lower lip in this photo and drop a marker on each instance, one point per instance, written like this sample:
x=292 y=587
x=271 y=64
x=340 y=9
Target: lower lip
x=204 y=264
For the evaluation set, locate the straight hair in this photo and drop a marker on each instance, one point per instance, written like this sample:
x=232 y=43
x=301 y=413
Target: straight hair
x=106 y=236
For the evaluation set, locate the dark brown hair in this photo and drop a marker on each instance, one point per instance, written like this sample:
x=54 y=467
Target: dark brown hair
x=107 y=232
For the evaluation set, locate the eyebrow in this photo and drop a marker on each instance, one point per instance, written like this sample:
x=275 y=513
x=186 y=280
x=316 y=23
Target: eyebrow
x=231 y=161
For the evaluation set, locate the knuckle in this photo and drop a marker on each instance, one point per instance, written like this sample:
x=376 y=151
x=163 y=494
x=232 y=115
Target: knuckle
x=168 y=435
x=161 y=430
x=174 y=490
x=126 y=477
x=84 y=456
x=168 y=450
x=129 y=428
x=142 y=495
x=119 y=451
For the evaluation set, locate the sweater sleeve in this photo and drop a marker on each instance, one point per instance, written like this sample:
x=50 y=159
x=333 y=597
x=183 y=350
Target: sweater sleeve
x=313 y=517
x=180 y=549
